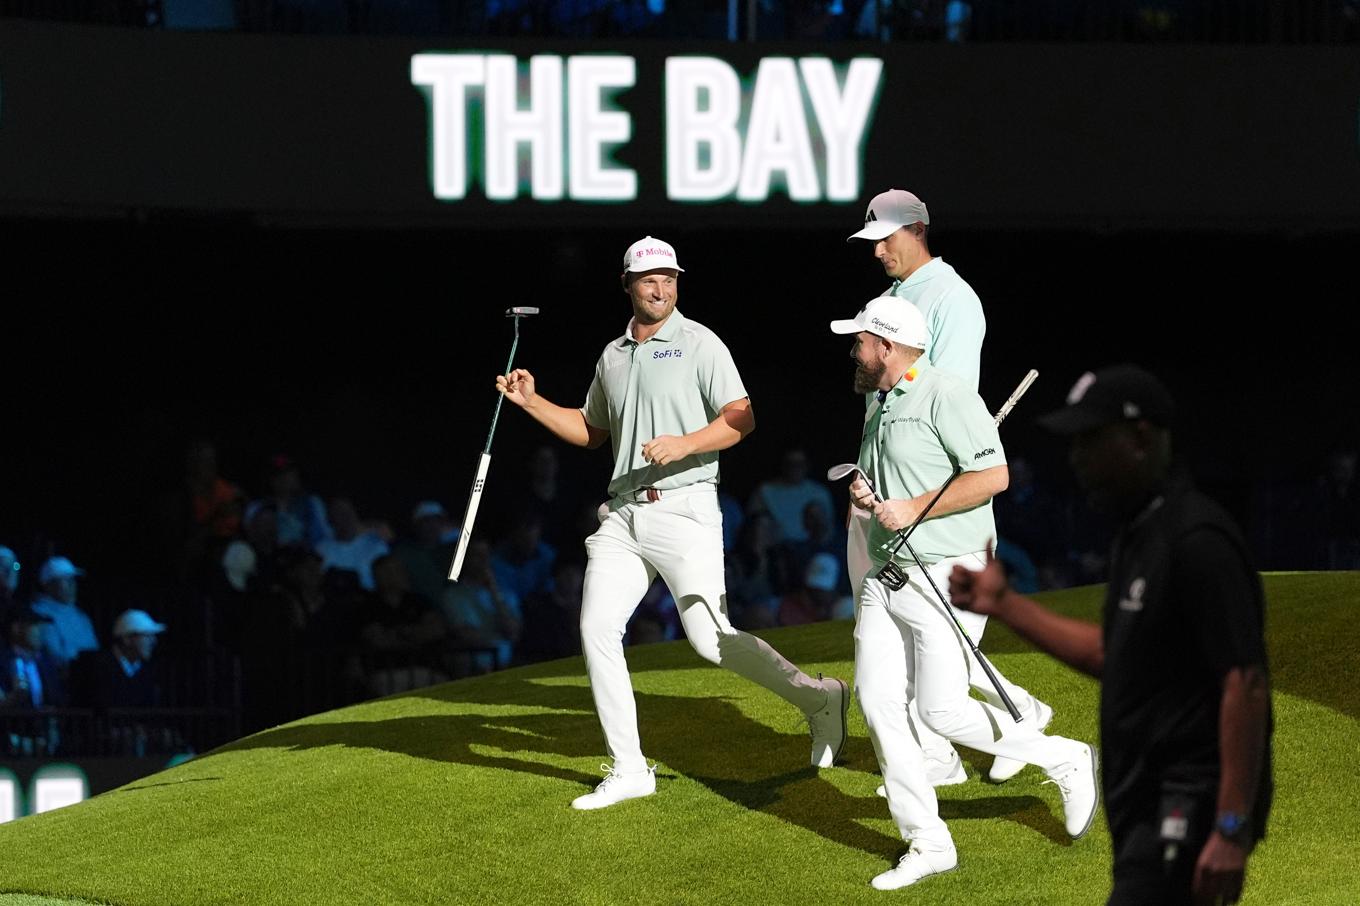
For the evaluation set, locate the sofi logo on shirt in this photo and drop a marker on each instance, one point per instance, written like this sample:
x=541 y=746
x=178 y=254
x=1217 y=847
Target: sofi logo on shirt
x=796 y=127
x=668 y=354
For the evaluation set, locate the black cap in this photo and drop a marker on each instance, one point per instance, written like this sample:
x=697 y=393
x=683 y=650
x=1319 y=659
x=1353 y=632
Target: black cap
x=1115 y=394
x=24 y=613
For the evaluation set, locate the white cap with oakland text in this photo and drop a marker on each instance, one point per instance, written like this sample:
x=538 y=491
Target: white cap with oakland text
x=890 y=318
x=648 y=254
x=888 y=212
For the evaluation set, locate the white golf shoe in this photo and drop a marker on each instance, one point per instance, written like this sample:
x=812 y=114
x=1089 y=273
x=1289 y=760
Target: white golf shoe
x=827 y=726
x=914 y=866
x=1079 y=783
x=1003 y=768
x=617 y=787
x=940 y=772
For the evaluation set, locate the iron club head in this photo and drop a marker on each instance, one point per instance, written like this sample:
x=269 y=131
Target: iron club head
x=836 y=473
x=520 y=311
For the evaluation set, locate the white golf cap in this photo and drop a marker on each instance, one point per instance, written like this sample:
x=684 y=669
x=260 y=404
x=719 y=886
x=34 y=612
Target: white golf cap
x=648 y=254
x=888 y=212
x=890 y=318
x=132 y=622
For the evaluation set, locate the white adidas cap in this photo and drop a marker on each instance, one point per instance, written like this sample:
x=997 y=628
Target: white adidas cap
x=890 y=318
x=648 y=254
x=888 y=212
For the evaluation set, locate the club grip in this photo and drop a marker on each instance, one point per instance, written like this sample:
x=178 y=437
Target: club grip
x=469 y=517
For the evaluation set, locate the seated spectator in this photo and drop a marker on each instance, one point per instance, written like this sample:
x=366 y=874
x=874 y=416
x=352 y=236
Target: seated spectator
x=251 y=562
x=480 y=612
x=523 y=561
x=817 y=599
x=306 y=611
x=354 y=546
x=9 y=579
x=752 y=575
x=29 y=678
x=428 y=555
x=732 y=519
x=1027 y=516
x=540 y=490
x=822 y=537
x=399 y=632
x=785 y=497
x=69 y=631
x=302 y=517
x=552 y=620
x=122 y=675
x=209 y=508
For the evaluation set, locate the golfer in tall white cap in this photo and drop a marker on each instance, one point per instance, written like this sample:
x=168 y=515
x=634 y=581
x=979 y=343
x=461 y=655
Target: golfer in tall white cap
x=897 y=224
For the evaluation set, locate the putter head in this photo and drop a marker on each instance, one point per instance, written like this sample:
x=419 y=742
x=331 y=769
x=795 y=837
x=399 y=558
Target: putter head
x=892 y=576
x=520 y=311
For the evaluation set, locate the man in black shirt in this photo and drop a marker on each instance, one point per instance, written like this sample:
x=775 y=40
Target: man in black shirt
x=1185 y=715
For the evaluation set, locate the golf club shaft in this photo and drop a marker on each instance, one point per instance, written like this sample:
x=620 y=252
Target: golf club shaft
x=977 y=653
x=484 y=461
x=998 y=418
x=500 y=397
x=904 y=534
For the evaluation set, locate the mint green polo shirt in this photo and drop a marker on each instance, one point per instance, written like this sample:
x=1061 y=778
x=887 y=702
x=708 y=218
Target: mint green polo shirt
x=928 y=422
x=953 y=314
x=674 y=383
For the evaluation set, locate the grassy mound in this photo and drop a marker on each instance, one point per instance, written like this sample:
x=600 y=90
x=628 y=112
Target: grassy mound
x=458 y=794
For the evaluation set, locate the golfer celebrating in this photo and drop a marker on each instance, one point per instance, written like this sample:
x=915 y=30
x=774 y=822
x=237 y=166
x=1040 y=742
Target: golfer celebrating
x=668 y=397
x=926 y=422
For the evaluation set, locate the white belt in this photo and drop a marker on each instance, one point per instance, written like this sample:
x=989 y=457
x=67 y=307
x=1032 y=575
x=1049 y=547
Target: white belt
x=652 y=495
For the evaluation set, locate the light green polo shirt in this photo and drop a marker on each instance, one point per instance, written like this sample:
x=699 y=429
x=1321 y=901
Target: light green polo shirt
x=928 y=422
x=674 y=383
x=953 y=314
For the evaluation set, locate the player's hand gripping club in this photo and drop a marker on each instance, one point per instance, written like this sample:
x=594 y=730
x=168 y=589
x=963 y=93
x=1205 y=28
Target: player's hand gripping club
x=517 y=386
x=893 y=515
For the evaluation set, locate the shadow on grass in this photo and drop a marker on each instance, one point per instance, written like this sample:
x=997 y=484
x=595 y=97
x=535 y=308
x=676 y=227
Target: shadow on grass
x=708 y=740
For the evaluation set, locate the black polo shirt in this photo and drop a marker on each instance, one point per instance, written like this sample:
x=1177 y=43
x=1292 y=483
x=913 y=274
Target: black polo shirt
x=1184 y=606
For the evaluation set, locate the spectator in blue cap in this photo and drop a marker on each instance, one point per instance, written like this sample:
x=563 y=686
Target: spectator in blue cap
x=69 y=631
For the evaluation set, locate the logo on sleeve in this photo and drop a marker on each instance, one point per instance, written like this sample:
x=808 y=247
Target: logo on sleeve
x=987 y=452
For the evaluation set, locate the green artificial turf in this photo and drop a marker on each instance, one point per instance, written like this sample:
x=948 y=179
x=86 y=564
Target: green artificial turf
x=458 y=794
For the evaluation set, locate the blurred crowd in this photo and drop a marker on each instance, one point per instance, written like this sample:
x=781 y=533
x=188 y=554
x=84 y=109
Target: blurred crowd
x=293 y=602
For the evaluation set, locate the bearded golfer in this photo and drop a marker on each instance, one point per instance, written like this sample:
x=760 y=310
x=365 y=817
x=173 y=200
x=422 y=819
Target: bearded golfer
x=927 y=423
x=896 y=225
x=668 y=397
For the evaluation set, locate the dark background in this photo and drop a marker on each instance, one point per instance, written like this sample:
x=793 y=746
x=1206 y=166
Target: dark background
x=370 y=355
x=231 y=237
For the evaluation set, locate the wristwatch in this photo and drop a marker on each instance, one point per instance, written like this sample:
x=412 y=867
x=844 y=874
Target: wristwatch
x=1232 y=826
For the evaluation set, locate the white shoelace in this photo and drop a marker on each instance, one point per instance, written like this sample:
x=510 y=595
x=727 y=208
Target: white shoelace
x=610 y=775
x=1063 y=783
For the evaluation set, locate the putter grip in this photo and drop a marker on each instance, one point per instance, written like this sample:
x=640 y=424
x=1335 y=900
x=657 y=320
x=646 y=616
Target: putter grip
x=469 y=517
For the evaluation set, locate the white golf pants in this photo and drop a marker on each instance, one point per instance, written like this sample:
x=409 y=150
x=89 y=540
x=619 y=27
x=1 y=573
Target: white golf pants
x=936 y=747
x=905 y=635
x=680 y=538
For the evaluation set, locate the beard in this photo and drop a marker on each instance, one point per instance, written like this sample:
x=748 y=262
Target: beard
x=868 y=376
